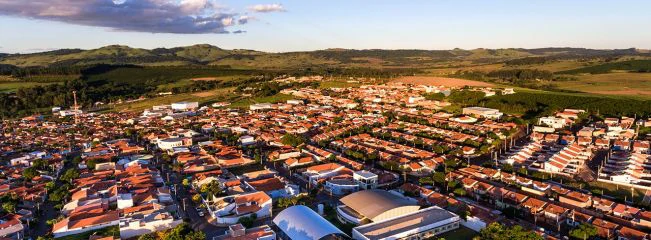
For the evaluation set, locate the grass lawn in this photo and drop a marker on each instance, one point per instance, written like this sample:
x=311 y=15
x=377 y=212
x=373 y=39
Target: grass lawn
x=245 y=102
x=463 y=233
x=108 y=231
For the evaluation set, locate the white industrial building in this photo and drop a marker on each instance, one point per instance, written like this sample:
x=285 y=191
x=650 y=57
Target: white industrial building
x=373 y=206
x=185 y=106
x=489 y=113
x=422 y=224
x=300 y=222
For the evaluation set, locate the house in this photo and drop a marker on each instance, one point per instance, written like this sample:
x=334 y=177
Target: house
x=576 y=199
x=229 y=209
x=555 y=214
x=11 y=227
x=324 y=171
x=553 y=122
x=534 y=206
x=366 y=179
x=605 y=229
x=74 y=225
x=603 y=205
x=239 y=232
x=644 y=219
x=145 y=219
x=626 y=233
x=274 y=187
x=625 y=211
x=576 y=218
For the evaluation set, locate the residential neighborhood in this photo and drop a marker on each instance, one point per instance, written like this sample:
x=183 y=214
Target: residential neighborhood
x=378 y=161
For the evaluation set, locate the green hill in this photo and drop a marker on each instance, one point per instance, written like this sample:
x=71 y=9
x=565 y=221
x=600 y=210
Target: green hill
x=204 y=54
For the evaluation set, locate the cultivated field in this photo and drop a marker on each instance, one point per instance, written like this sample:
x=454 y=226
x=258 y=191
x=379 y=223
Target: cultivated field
x=442 y=81
x=630 y=84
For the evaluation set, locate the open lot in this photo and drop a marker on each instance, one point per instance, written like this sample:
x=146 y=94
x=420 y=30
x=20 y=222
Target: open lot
x=442 y=81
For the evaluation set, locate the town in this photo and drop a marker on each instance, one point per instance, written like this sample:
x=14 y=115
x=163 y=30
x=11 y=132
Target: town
x=378 y=161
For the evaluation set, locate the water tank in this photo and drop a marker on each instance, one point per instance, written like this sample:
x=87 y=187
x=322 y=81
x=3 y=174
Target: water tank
x=320 y=209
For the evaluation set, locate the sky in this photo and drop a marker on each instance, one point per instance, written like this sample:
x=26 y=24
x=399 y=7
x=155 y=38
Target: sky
x=304 y=25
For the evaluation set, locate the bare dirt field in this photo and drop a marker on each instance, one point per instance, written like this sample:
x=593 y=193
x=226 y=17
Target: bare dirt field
x=441 y=81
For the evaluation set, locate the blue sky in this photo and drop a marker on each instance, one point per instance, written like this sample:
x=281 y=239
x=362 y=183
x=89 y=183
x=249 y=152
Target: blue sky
x=297 y=25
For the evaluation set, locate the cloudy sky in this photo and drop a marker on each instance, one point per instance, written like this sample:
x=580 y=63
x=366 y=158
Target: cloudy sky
x=295 y=25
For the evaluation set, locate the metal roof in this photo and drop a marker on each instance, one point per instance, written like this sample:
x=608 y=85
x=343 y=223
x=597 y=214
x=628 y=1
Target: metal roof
x=302 y=223
x=372 y=203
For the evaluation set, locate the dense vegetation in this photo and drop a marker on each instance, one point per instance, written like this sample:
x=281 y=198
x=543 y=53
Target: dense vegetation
x=642 y=66
x=543 y=103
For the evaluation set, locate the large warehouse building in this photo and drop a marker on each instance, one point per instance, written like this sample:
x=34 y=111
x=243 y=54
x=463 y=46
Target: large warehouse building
x=300 y=222
x=422 y=224
x=373 y=206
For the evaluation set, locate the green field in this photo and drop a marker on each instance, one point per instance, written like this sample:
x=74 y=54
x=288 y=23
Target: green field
x=624 y=84
x=13 y=85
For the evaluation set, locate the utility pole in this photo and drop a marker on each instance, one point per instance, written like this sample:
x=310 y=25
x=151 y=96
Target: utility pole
x=76 y=107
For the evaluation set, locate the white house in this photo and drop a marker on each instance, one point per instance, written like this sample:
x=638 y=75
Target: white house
x=366 y=179
x=229 y=210
x=555 y=122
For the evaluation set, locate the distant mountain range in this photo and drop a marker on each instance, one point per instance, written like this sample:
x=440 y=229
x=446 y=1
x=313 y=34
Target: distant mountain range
x=204 y=54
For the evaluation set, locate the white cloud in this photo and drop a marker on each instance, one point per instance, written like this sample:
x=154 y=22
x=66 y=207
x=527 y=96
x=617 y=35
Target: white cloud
x=263 y=8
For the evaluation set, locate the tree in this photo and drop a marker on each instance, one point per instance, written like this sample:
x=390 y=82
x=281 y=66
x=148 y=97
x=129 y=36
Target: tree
x=496 y=231
x=425 y=181
x=185 y=182
x=460 y=192
x=147 y=237
x=183 y=232
x=70 y=175
x=439 y=178
x=39 y=164
x=246 y=221
x=292 y=140
x=196 y=198
x=91 y=163
x=30 y=173
x=9 y=207
x=583 y=231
